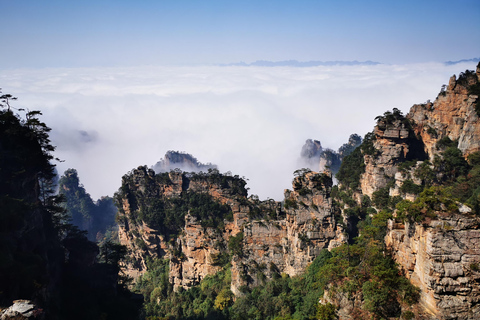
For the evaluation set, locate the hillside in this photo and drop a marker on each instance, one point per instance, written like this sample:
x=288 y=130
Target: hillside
x=397 y=237
x=410 y=189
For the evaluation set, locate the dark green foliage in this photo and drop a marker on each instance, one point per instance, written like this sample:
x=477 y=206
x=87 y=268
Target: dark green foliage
x=363 y=267
x=451 y=163
x=290 y=204
x=367 y=146
x=351 y=169
x=284 y=297
x=426 y=173
x=406 y=166
x=469 y=79
x=408 y=186
x=326 y=312
x=301 y=172
x=431 y=131
x=446 y=142
x=461 y=181
x=226 y=181
x=474 y=159
x=28 y=205
x=43 y=257
x=381 y=198
x=167 y=214
x=389 y=117
x=235 y=244
x=95 y=218
x=431 y=199
x=211 y=299
x=408 y=315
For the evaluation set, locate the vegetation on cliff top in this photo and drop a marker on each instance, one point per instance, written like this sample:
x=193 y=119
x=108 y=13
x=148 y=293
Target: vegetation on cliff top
x=95 y=218
x=361 y=269
x=144 y=191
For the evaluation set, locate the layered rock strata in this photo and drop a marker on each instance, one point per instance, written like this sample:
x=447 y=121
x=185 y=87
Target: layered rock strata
x=442 y=258
x=271 y=239
x=439 y=255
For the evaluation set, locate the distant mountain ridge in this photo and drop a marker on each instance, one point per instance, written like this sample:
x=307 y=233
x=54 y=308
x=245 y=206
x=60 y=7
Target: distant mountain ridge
x=449 y=63
x=295 y=63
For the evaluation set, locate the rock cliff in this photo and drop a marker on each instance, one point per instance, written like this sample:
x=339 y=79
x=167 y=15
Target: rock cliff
x=259 y=238
x=453 y=114
x=418 y=174
x=438 y=246
x=442 y=258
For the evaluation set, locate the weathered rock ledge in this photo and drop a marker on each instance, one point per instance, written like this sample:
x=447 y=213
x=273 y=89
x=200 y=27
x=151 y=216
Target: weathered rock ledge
x=442 y=258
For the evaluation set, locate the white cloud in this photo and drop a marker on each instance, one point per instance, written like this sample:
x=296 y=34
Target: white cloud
x=252 y=121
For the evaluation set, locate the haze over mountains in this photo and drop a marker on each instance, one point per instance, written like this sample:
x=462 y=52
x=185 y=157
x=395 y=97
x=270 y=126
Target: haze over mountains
x=250 y=121
x=295 y=63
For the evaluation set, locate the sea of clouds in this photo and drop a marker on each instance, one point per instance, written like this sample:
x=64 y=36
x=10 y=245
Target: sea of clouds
x=251 y=121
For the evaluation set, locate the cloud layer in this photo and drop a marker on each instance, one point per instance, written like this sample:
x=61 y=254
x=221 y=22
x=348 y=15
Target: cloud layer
x=251 y=121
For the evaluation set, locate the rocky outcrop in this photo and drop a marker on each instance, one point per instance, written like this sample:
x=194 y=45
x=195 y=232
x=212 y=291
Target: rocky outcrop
x=288 y=245
x=316 y=158
x=452 y=115
x=442 y=258
x=259 y=238
x=392 y=143
x=181 y=160
x=22 y=309
x=439 y=255
x=397 y=139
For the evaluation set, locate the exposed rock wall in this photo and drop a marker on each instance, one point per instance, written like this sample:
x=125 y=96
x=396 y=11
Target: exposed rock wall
x=288 y=245
x=274 y=240
x=442 y=258
x=452 y=115
x=394 y=143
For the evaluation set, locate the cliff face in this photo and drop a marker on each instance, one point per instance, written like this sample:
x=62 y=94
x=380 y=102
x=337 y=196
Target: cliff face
x=398 y=139
x=441 y=253
x=258 y=238
x=452 y=115
x=289 y=244
x=442 y=259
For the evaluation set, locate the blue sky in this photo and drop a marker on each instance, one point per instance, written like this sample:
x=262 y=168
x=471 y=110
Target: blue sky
x=128 y=33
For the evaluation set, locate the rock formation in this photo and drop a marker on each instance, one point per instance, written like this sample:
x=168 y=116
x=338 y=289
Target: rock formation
x=439 y=254
x=269 y=238
x=314 y=157
x=201 y=222
x=453 y=114
x=442 y=259
x=22 y=310
x=181 y=160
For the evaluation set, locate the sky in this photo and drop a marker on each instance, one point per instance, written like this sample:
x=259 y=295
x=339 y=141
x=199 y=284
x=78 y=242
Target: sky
x=53 y=33
x=122 y=82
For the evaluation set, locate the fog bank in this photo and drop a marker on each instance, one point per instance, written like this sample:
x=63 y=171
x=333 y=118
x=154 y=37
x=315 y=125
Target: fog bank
x=251 y=121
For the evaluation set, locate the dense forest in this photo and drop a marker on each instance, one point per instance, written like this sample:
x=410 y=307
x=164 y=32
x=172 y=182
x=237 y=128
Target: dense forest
x=43 y=256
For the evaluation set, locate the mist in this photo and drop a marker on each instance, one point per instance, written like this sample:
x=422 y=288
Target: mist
x=252 y=121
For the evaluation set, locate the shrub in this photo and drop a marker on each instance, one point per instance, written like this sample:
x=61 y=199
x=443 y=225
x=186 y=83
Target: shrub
x=351 y=169
x=408 y=186
x=326 y=311
x=235 y=244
